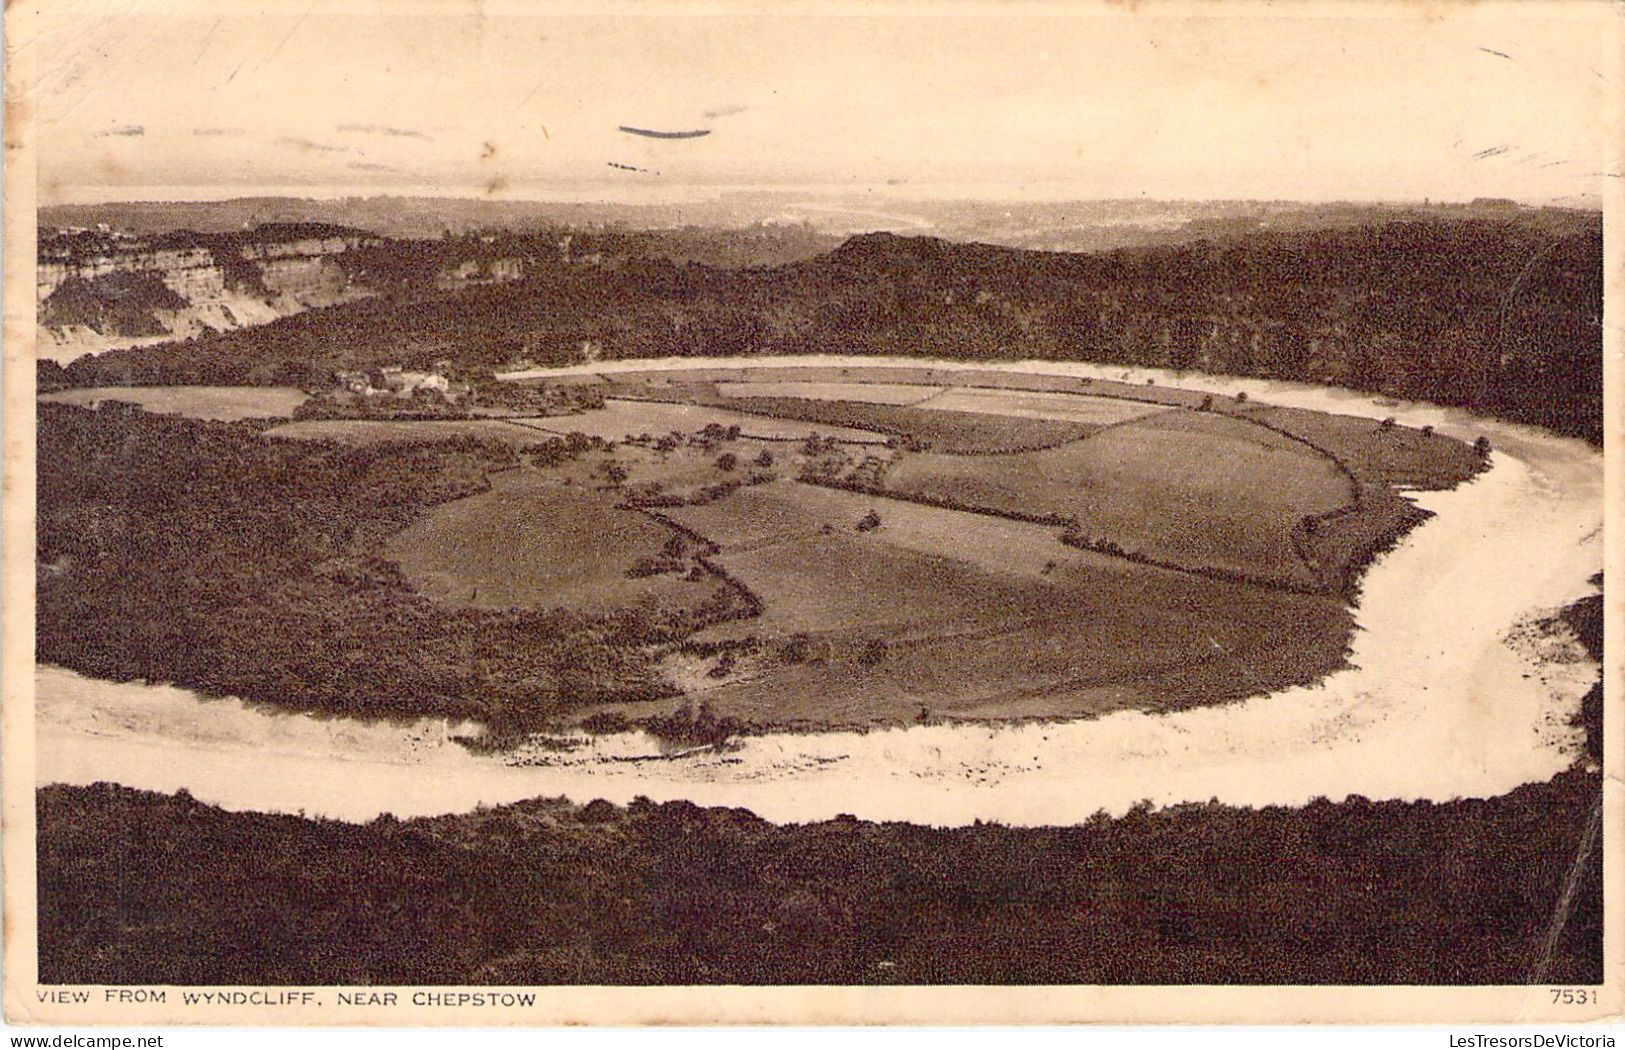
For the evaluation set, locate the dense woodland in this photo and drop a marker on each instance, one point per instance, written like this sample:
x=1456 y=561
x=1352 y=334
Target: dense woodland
x=143 y=888
x=211 y=556
x=1500 y=316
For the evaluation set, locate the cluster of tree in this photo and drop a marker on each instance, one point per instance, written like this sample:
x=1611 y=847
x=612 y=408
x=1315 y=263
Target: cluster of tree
x=673 y=557
x=211 y=556
x=142 y=888
x=543 y=400
x=117 y=303
x=694 y=728
x=556 y=450
x=419 y=404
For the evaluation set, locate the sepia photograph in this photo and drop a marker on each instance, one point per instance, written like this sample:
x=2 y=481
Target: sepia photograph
x=538 y=513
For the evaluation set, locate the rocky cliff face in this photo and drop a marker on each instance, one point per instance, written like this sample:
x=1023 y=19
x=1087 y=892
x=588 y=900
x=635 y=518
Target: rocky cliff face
x=99 y=291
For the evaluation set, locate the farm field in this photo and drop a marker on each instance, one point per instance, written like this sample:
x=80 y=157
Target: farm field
x=641 y=382
x=1191 y=489
x=1341 y=543
x=851 y=585
x=1400 y=456
x=892 y=631
x=618 y=420
x=929 y=608
x=874 y=393
x=943 y=600
x=1077 y=408
x=767 y=515
x=390 y=431
x=529 y=542
x=224 y=403
x=957 y=433
x=853 y=374
x=1089 y=653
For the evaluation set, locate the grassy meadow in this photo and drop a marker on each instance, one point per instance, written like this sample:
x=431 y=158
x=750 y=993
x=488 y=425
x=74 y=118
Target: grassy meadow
x=195 y=402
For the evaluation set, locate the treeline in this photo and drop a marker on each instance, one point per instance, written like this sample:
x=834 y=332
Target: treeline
x=84 y=246
x=1585 y=618
x=142 y=888
x=211 y=556
x=1502 y=316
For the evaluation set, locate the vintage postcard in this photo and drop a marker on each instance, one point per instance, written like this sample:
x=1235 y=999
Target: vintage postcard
x=534 y=513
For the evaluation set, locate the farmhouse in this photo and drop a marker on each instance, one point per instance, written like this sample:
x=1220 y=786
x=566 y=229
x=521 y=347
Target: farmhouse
x=393 y=380
x=401 y=382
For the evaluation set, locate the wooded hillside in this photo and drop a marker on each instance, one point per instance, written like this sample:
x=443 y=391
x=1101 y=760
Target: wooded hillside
x=1500 y=316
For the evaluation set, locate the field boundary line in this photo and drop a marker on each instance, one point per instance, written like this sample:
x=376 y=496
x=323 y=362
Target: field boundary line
x=898 y=432
x=1347 y=575
x=879 y=440
x=1062 y=522
x=1076 y=393
x=1340 y=579
x=752 y=600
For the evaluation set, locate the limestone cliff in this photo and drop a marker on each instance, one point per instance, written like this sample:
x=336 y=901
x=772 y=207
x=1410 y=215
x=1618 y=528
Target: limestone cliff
x=98 y=290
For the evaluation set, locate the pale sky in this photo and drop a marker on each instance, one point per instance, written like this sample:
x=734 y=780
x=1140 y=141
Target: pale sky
x=139 y=96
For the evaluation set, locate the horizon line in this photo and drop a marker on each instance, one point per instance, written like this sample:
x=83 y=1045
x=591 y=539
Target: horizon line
x=676 y=195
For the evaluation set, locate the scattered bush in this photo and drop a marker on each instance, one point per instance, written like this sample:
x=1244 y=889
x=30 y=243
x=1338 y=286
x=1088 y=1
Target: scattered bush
x=655 y=565
x=873 y=651
x=797 y=649
x=605 y=722
x=686 y=726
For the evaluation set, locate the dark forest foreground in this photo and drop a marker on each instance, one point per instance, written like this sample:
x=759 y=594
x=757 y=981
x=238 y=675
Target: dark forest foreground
x=143 y=888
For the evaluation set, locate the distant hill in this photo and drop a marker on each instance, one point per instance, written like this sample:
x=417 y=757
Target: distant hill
x=417 y=218
x=73 y=244
x=193 y=283
x=1500 y=315
x=806 y=215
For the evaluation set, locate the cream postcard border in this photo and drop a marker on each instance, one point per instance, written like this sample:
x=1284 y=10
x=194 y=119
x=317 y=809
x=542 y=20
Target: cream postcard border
x=958 y=1005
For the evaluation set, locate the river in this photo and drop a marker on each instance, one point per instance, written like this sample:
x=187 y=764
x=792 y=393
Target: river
x=1452 y=692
